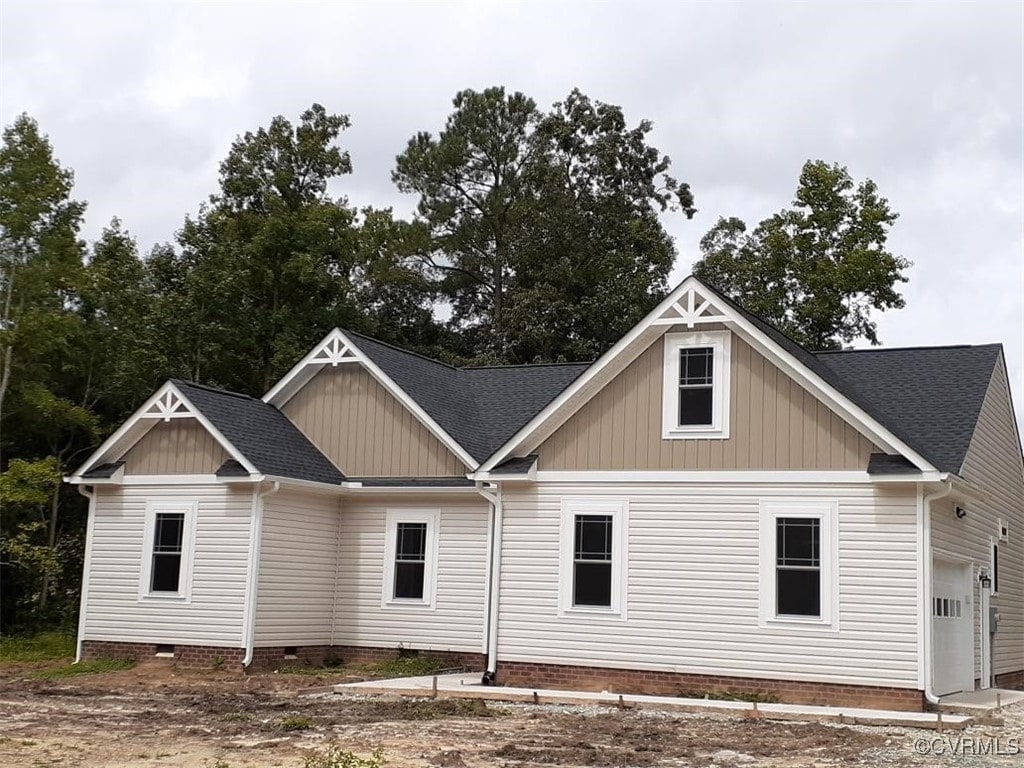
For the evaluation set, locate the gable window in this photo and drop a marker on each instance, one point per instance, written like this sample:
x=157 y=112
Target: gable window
x=695 y=387
x=798 y=572
x=593 y=556
x=995 y=569
x=410 y=557
x=169 y=539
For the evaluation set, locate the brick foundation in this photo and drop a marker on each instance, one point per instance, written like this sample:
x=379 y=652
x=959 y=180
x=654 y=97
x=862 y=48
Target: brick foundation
x=271 y=658
x=528 y=675
x=185 y=655
x=1011 y=680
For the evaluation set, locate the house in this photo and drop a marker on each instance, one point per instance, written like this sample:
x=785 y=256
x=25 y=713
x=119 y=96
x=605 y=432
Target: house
x=708 y=506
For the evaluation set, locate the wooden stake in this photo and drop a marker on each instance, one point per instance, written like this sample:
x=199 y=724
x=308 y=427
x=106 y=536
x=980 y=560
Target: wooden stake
x=433 y=688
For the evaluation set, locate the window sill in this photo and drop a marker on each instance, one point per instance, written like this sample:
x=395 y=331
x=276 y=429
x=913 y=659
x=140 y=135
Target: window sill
x=399 y=602
x=799 y=621
x=710 y=433
x=170 y=597
x=591 y=611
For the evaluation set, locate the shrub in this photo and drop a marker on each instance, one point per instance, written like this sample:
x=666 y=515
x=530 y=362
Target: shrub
x=333 y=756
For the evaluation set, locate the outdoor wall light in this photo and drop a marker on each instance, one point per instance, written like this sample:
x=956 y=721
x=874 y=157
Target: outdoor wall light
x=985 y=580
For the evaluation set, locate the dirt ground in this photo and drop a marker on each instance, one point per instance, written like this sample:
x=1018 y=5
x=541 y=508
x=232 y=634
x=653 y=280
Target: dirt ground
x=155 y=716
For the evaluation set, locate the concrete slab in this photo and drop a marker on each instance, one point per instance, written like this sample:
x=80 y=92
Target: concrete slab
x=469 y=687
x=980 y=702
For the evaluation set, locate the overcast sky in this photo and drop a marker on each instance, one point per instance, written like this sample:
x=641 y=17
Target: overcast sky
x=142 y=100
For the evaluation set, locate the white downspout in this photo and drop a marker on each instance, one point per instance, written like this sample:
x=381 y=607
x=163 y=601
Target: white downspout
x=493 y=576
x=926 y=565
x=253 y=575
x=83 y=599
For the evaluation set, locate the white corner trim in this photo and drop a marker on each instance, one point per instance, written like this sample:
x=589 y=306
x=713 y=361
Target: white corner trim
x=618 y=509
x=122 y=439
x=83 y=600
x=432 y=518
x=190 y=508
x=661 y=316
x=827 y=511
x=292 y=381
x=721 y=343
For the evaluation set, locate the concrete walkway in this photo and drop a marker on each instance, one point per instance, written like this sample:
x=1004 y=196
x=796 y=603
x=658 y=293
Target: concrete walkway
x=468 y=687
x=980 y=702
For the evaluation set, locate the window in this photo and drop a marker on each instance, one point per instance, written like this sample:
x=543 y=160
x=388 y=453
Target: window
x=410 y=557
x=593 y=556
x=165 y=575
x=798 y=573
x=592 y=561
x=168 y=543
x=798 y=566
x=695 y=398
x=995 y=569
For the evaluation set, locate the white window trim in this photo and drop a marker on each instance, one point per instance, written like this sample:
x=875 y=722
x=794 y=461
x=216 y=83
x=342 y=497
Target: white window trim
x=189 y=506
x=721 y=343
x=825 y=510
x=618 y=508
x=432 y=517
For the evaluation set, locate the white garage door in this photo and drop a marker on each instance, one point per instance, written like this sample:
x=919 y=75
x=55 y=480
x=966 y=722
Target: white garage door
x=952 y=618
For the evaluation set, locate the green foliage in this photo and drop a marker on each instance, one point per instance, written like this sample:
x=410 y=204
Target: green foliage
x=97 y=666
x=46 y=646
x=404 y=666
x=544 y=229
x=296 y=723
x=815 y=270
x=334 y=756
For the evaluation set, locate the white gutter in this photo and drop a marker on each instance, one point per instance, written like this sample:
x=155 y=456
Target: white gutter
x=493 y=575
x=925 y=565
x=252 y=576
x=86 y=560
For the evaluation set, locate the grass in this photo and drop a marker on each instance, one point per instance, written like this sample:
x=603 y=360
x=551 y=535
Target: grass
x=84 y=668
x=46 y=646
x=333 y=756
x=296 y=723
x=404 y=666
x=299 y=669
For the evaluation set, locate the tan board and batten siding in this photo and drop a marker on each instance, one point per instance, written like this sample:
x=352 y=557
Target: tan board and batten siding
x=365 y=430
x=457 y=621
x=993 y=463
x=295 y=598
x=175 y=447
x=693 y=580
x=774 y=424
x=214 y=615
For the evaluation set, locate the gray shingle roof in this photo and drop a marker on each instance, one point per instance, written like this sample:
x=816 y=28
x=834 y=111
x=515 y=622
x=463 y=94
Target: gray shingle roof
x=264 y=435
x=928 y=397
x=481 y=408
x=103 y=470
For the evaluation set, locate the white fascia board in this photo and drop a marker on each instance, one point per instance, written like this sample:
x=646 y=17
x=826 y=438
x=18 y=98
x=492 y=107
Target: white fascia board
x=782 y=359
x=774 y=476
x=130 y=433
x=307 y=367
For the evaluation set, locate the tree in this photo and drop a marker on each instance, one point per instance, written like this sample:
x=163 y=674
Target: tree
x=816 y=270
x=40 y=254
x=543 y=227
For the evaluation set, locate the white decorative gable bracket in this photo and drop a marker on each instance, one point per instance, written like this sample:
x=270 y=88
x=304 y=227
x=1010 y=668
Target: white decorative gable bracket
x=168 y=406
x=691 y=309
x=333 y=350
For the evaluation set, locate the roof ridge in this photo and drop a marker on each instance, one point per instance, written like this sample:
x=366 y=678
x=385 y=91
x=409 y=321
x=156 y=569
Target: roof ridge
x=217 y=390
x=524 y=365
x=912 y=347
x=397 y=348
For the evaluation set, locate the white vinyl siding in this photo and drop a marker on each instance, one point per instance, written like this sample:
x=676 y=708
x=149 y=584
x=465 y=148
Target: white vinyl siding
x=693 y=586
x=214 y=615
x=993 y=465
x=455 y=623
x=298 y=561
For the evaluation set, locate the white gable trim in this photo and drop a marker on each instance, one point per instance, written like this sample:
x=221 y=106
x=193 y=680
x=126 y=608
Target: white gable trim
x=688 y=305
x=335 y=349
x=165 y=404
